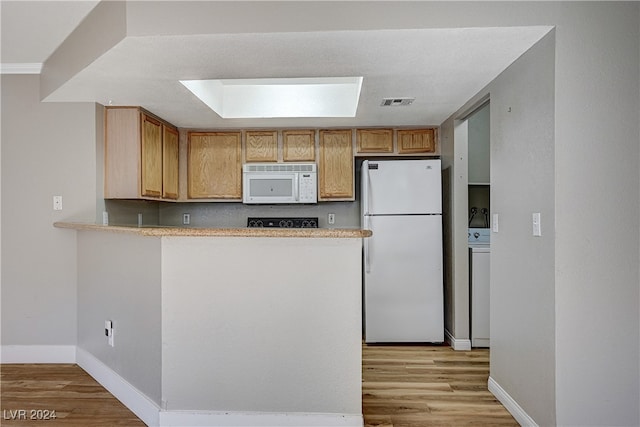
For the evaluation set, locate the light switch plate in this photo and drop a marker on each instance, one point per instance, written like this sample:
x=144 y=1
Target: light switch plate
x=494 y=224
x=536 y=228
x=57 y=203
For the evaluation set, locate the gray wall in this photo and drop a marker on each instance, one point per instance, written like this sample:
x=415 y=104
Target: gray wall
x=596 y=196
x=576 y=287
x=47 y=150
x=479 y=137
x=455 y=220
x=522 y=266
x=257 y=339
x=119 y=279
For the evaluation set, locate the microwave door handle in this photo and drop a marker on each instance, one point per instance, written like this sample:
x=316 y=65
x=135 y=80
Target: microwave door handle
x=296 y=186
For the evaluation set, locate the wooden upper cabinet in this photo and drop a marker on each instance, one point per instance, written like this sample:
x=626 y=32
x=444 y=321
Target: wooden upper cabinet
x=151 y=157
x=335 y=168
x=299 y=145
x=122 y=153
x=135 y=155
x=215 y=165
x=416 y=141
x=374 y=140
x=261 y=146
x=170 y=162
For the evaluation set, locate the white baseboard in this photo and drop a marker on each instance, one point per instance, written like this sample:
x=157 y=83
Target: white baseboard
x=511 y=405
x=152 y=415
x=149 y=412
x=130 y=396
x=38 y=354
x=256 y=419
x=458 y=344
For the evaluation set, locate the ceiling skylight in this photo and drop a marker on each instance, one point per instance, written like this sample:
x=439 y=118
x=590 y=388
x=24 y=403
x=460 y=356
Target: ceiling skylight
x=270 y=98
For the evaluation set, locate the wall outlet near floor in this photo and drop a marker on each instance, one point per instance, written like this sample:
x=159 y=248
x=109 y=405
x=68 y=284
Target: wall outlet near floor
x=186 y=219
x=331 y=218
x=109 y=332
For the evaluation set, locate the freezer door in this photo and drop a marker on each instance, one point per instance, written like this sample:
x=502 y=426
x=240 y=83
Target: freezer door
x=397 y=187
x=403 y=295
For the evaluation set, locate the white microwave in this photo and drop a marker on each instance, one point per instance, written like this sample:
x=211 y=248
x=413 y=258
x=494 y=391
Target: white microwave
x=279 y=183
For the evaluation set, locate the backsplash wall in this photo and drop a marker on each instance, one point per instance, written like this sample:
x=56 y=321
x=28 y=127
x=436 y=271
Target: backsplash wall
x=125 y=212
x=221 y=214
x=235 y=214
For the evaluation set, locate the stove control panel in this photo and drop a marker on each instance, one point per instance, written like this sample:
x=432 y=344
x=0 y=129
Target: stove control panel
x=307 y=222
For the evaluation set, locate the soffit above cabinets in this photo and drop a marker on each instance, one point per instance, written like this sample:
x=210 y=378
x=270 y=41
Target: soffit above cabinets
x=145 y=49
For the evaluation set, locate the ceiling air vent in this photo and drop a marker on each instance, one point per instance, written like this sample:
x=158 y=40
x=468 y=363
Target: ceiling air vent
x=396 y=102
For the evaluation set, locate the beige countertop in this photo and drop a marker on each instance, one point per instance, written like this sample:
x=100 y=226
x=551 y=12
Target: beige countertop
x=348 y=233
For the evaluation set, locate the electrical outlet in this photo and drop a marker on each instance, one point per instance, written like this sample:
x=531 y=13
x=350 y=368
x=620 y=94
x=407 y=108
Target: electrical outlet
x=331 y=218
x=109 y=332
x=186 y=219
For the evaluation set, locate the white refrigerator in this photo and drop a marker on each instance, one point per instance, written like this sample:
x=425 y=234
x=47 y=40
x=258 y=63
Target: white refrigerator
x=401 y=203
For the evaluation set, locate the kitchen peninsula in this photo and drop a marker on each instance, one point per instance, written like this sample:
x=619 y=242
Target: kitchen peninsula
x=211 y=326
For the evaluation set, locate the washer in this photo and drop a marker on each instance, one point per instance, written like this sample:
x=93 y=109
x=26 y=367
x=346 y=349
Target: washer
x=479 y=261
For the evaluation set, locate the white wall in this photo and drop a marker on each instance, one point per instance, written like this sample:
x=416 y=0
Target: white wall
x=47 y=150
x=259 y=332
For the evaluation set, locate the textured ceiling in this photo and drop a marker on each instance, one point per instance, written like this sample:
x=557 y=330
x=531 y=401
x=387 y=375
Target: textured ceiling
x=441 y=68
x=32 y=30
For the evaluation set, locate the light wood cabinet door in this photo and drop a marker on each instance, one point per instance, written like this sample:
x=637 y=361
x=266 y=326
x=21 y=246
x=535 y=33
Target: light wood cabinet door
x=170 y=168
x=141 y=155
x=336 y=180
x=374 y=140
x=299 y=145
x=122 y=153
x=151 y=157
x=214 y=165
x=261 y=146
x=416 y=141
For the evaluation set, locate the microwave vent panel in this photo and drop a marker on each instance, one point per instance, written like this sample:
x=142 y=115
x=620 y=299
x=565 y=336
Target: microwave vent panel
x=310 y=167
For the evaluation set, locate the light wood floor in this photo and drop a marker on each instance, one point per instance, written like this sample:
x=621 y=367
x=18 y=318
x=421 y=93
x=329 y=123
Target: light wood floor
x=403 y=386
x=76 y=398
x=413 y=386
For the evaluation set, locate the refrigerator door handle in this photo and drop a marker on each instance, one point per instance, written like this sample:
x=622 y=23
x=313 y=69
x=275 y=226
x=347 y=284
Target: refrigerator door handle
x=367 y=264
x=366 y=197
